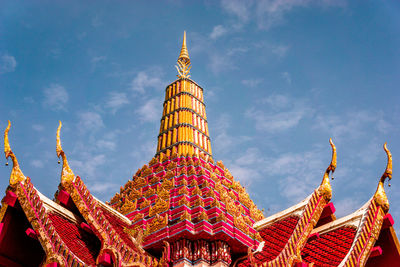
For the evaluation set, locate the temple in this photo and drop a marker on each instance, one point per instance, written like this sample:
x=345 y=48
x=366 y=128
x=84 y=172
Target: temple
x=185 y=209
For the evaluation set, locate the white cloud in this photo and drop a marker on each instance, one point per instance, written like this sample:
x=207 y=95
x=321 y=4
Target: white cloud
x=7 y=63
x=284 y=113
x=89 y=166
x=37 y=163
x=251 y=82
x=146 y=79
x=106 y=144
x=270 y=13
x=286 y=76
x=218 y=31
x=96 y=60
x=150 y=111
x=353 y=124
x=103 y=187
x=90 y=121
x=116 y=101
x=280 y=50
x=97 y=21
x=347 y=206
x=37 y=127
x=55 y=97
x=239 y=8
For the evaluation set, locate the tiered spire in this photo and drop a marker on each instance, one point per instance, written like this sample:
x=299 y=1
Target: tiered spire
x=184 y=127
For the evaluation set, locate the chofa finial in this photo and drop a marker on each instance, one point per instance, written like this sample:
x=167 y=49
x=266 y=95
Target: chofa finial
x=16 y=173
x=67 y=174
x=183 y=60
x=380 y=194
x=325 y=188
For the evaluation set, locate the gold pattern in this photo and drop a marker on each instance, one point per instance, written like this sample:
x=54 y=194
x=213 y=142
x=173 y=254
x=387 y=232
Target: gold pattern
x=16 y=173
x=128 y=206
x=185 y=216
x=183 y=66
x=159 y=207
x=158 y=223
x=203 y=216
x=325 y=188
x=66 y=174
x=380 y=194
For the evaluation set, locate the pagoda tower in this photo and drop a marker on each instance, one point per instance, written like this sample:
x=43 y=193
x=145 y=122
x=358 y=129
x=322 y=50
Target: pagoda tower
x=182 y=204
x=184 y=126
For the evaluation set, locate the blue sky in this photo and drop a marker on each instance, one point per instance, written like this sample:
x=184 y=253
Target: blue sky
x=280 y=77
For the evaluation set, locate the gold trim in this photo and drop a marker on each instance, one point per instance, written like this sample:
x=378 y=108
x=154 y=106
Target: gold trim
x=325 y=189
x=67 y=174
x=183 y=66
x=380 y=194
x=16 y=173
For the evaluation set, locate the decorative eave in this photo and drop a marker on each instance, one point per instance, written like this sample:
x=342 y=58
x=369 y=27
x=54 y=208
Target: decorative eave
x=113 y=245
x=308 y=211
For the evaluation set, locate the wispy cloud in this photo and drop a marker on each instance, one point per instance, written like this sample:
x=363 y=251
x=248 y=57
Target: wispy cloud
x=37 y=163
x=89 y=166
x=146 y=79
x=282 y=113
x=55 y=97
x=240 y=9
x=97 y=21
x=150 y=111
x=90 y=121
x=7 y=63
x=217 y=32
x=116 y=100
x=286 y=76
x=37 y=127
x=251 y=82
x=280 y=50
x=103 y=187
x=97 y=60
x=270 y=13
x=352 y=124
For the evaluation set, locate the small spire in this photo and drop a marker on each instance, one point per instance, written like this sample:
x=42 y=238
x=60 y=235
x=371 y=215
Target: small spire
x=380 y=194
x=67 y=174
x=184 y=55
x=325 y=188
x=183 y=60
x=16 y=173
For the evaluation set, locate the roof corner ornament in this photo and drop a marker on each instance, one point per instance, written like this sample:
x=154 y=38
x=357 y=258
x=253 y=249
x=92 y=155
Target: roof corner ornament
x=67 y=174
x=380 y=194
x=16 y=173
x=183 y=66
x=325 y=188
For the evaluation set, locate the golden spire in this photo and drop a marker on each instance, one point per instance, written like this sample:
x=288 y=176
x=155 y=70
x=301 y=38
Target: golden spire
x=380 y=195
x=325 y=188
x=183 y=60
x=66 y=174
x=16 y=173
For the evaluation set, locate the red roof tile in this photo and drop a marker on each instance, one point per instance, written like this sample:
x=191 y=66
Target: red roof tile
x=275 y=237
x=84 y=245
x=330 y=248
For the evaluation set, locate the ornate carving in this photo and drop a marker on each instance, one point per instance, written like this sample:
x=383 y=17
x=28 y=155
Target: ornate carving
x=154 y=179
x=159 y=207
x=183 y=190
x=135 y=194
x=183 y=201
x=325 y=188
x=153 y=161
x=128 y=206
x=380 y=194
x=16 y=173
x=138 y=182
x=198 y=202
x=169 y=175
x=196 y=191
x=157 y=223
x=172 y=165
x=168 y=184
x=221 y=217
x=203 y=216
x=149 y=192
x=215 y=203
x=145 y=203
x=138 y=217
x=185 y=216
x=241 y=224
x=163 y=194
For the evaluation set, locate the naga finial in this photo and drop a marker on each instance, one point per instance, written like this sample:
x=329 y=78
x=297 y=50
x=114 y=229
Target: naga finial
x=380 y=194
x=325 y=188
x=16 y=173
x=67 y=174
x=183 y=60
